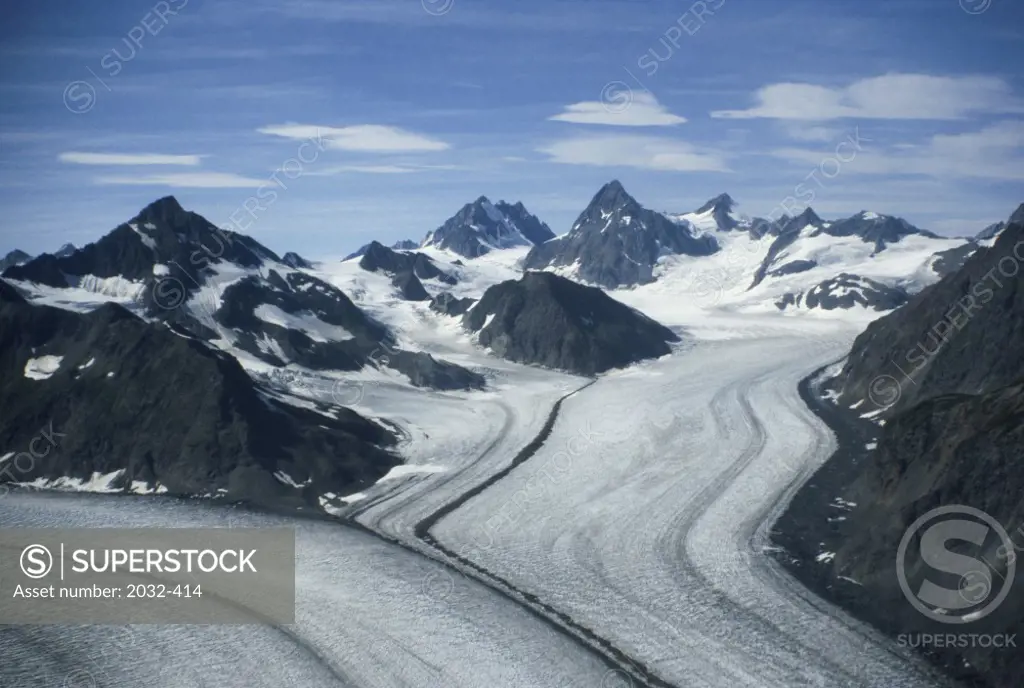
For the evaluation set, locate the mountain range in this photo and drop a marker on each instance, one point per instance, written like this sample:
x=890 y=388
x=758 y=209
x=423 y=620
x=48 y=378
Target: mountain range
x=495 y=271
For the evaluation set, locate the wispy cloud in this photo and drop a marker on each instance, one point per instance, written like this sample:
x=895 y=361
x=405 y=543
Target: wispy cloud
x=128 y=159
x=604 y=16
x=995 y=152
x=631 y=110
x=803 y=132
x=891 y=96
x=645 y=152
x=186 y=180
x=376 y=169
x=361 y=137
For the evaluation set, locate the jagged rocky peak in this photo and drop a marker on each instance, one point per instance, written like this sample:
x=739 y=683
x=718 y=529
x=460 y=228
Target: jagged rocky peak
x=528 y=224
x=610 y=205
x=65 y=250
x=164 y=210
x=617 y=242
x=807 y=217
x=1017 y=218
x=294 y=260
x=722 y=201
x=721 y=210
x=875 y=228
x=15 y=257
x=481 y=226
x=162 y=233
x=996 y=228
x=613 y=196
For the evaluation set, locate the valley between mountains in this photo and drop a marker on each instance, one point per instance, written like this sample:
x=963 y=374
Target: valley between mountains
x=511 y=457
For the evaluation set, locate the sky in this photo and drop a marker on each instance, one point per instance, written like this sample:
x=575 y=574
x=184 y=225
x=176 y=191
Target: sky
x=318 y=125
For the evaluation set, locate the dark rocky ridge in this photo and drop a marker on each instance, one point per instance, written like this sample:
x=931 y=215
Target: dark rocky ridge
x=617 y=242
x=721 y=206
x=952 y=398
x=959 y=336
x=845 y=291
x=168 y=410
x=481 y=226
x=448 y=304
x=409 y=287
x=191 y=250
x=557 y=323
x=296 y=261
x=786 y=230
x=377 y=257
x=164 y=233
x=880 y=230
x=403 y=245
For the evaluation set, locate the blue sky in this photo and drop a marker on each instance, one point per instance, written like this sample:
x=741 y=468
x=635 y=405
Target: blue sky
x=339 y=121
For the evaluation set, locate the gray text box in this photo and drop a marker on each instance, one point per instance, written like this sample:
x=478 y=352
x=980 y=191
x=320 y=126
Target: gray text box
x=147 y=575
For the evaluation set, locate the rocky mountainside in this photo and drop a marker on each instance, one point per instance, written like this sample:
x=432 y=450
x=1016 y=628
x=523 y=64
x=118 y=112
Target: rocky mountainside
x=403 y=245
x=554 y=322
x=616 y=242
x=377 y=257
x=294 y=260
x=144 y=407
x=172 y=265
x=843 y=291
x=961 y=336
x=15 y=257
x=481 y=226
x=945 y=376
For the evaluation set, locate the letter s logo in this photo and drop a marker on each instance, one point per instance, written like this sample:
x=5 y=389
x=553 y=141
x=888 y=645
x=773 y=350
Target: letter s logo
x=938 y=596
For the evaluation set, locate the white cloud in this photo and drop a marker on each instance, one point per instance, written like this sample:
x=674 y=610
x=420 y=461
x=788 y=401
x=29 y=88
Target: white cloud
x=362 y=137
x=995 y=152
x=646 y=152
x=128 y=159
x=376 y=169
x=891 y=96
x=193 y=180
x=803 y=132
x=622 y=108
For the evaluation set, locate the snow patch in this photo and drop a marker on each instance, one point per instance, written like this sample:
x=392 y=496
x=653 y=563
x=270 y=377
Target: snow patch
x=304 y=322
x=43 y=367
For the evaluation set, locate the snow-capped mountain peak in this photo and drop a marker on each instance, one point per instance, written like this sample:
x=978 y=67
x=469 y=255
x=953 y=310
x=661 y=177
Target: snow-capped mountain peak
x=723 y=202
x=716 y=215
x=65 y=250
x=482 y=226
x=617 y=242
